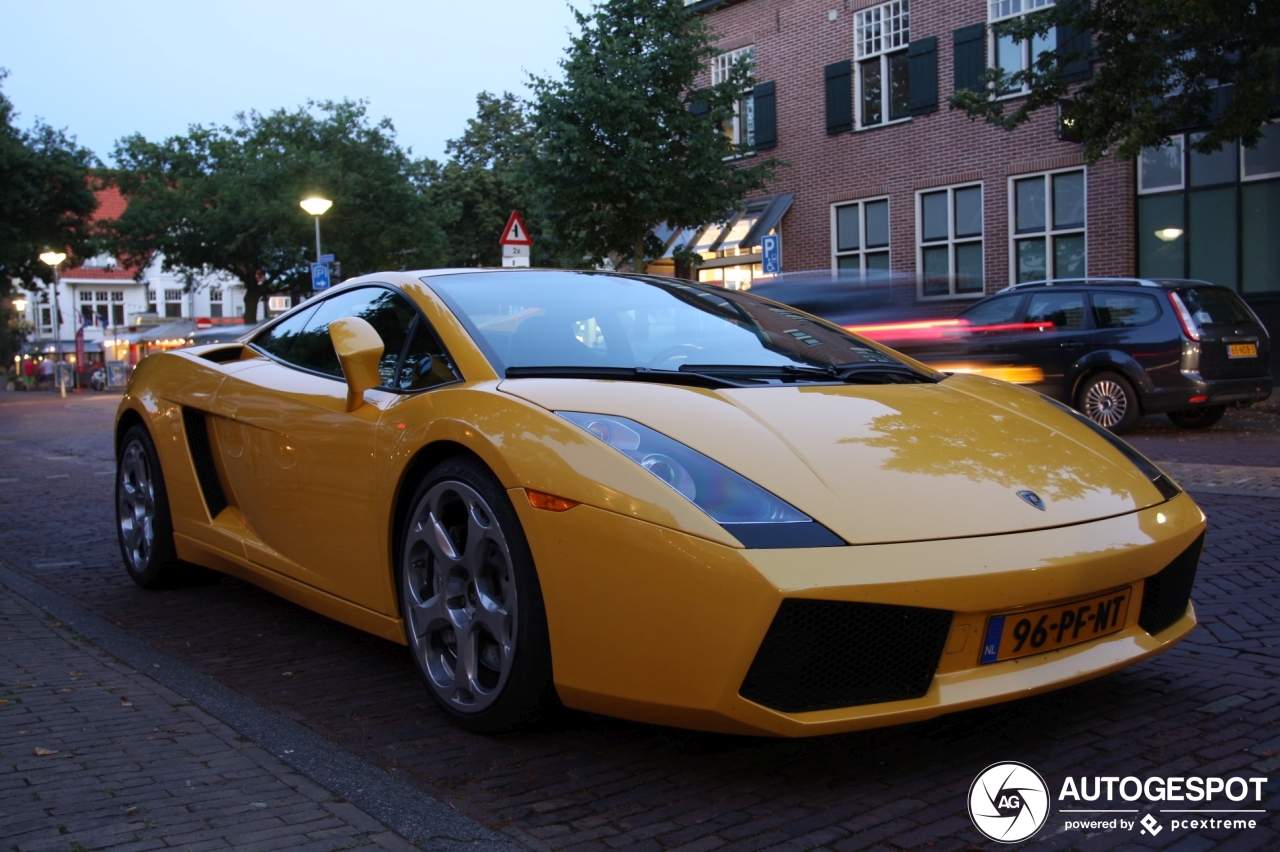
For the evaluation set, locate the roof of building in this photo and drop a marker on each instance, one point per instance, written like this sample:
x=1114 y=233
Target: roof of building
x=111 y=205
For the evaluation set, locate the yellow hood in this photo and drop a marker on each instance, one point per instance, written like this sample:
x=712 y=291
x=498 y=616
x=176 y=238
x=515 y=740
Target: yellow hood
x=886 y=463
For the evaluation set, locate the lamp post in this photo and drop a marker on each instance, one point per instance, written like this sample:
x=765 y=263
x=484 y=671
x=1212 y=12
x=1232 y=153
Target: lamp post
x=54 y=259
x=316 y=206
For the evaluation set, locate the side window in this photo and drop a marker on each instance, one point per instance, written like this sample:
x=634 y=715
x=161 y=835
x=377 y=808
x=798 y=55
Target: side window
x=1000 y=311
x=1123 y=310
x=279 y=340
x=425 y=363
x=1064 y=311
x=389 y=313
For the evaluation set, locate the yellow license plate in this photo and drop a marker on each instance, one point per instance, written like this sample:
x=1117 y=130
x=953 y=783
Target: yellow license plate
x=1242 y=350
x=1020 y=634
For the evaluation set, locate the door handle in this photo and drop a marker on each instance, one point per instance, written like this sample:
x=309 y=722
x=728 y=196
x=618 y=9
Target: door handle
x=1072 y=344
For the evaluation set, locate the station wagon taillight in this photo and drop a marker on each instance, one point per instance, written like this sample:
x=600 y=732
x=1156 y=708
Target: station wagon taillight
x=1189 y=326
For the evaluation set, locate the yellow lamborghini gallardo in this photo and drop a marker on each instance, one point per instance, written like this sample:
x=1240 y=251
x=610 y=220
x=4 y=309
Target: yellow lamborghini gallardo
x=653 y=499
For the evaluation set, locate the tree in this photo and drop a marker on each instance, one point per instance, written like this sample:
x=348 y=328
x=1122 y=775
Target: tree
x=482 y=181
x=226 y=198
x=46 y=197
x=623 y=143
x=1160 y=66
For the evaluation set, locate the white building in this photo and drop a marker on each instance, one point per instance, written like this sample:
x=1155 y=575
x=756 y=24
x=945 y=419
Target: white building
x=126 y=313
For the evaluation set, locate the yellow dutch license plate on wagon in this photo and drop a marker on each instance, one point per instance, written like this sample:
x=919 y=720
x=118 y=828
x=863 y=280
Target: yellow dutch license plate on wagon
x=1242 y=350
x=1021 y=634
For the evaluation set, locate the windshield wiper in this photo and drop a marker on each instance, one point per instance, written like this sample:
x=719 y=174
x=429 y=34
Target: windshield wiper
x=629 y=374
x=856 y=372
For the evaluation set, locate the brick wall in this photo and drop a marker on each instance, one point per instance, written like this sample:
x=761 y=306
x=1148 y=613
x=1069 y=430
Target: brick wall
x=795 y=39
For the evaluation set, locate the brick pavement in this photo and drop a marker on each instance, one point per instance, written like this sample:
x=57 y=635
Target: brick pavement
x=593 y=784
x=99 y=756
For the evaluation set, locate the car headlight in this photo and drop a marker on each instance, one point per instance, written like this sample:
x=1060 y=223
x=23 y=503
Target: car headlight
x=1166 y=486
x=751 y=514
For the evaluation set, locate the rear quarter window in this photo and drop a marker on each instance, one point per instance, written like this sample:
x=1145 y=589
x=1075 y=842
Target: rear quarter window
x=1124 y=310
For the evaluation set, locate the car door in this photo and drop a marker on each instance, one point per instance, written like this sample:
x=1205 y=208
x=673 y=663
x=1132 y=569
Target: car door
x=304 y=470
x=982 y=345
x=1056 y=332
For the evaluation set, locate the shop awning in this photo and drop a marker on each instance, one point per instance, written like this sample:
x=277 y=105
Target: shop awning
x=180 y=330
x=768 y=218
x=66 y=347
x=742 y=230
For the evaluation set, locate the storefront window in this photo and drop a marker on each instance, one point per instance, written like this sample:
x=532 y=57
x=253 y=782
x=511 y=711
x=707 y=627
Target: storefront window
x=1223 y=233
x=1161 y=240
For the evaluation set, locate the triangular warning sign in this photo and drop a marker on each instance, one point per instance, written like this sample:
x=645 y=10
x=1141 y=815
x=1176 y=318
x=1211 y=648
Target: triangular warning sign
x=515 y=234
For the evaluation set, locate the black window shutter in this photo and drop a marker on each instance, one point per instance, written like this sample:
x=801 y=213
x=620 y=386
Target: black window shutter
x=1069 y=41
x=922 y=55
x=971 y=57
x=839 y=97
x=766 y=114
x=699 y=109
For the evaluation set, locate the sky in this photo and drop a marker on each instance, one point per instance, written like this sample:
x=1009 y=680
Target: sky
x=103 y=71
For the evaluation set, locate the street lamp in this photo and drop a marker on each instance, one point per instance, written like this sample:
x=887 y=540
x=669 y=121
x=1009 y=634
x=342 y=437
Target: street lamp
x=316 y=206
x=54 y=259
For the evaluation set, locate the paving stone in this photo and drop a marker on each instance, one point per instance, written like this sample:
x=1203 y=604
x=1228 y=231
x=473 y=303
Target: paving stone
x=1211 y=705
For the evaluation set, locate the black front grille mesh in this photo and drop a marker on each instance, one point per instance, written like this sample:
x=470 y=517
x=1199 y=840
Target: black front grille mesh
x=202 y=457
x=823 y=654
x=1165 y=595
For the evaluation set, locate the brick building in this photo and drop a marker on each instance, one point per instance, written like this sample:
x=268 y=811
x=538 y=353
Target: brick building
x=881 y=174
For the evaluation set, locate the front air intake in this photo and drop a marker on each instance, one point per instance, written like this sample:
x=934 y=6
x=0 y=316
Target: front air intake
x=1165 y=595
x=823 y=654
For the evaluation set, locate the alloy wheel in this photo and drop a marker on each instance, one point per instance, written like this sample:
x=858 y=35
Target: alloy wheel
x=460 y=596
x=1106 y=403
x=136 y=498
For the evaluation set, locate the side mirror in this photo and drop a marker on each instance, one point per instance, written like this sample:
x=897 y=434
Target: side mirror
x=359 y=349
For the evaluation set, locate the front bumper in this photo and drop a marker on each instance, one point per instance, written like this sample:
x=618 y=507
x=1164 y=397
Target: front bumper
x=658 y=626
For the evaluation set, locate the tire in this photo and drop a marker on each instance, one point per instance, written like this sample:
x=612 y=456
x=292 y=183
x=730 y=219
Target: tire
x=143 y=523
x=472 y=606
x=1198 y=418
x=1109 y=400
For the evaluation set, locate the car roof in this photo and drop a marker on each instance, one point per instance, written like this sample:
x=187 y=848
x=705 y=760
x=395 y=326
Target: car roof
x=1162 y=283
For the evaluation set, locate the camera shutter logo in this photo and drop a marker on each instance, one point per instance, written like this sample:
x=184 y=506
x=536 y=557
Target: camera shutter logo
x=1008 y=802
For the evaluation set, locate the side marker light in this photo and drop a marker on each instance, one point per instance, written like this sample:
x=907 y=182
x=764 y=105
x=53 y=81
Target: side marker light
x=549 y=502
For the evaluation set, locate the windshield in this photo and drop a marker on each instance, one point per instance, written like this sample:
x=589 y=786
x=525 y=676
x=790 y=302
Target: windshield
x=551 y=318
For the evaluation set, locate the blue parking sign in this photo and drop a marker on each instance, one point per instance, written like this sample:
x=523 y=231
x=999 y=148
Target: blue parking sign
x=771 y=248
x=319 y=276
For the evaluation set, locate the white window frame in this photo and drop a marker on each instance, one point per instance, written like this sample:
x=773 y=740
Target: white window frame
x=1003 y=10
x=1007 y=10
x=879 y=32
x=1050 y=233
x=1182 y=169
x=951 y=242
x=741 y=128
x=1275 y=128
x=863 y=249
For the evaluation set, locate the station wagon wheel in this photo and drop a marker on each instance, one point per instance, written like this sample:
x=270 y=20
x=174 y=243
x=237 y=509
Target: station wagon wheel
x=143 y=524
x=1198 y=418
x=1109 y=400
x=471 y=603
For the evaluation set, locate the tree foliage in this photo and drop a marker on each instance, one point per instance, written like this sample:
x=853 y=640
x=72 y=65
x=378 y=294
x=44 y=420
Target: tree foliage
x=617 y=149
x=226 y=198
x=1159 y=68
x=482 y=181
x=46 y=197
